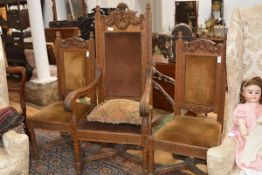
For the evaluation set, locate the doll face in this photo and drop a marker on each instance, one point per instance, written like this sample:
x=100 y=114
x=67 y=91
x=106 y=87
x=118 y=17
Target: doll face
x=252 y=93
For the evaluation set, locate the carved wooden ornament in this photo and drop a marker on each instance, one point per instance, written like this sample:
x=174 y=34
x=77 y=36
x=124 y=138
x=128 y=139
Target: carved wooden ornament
x=122 y=17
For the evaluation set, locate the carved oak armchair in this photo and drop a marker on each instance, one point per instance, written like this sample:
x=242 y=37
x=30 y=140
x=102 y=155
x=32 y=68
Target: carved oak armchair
x=243 y=62
x=122 y=82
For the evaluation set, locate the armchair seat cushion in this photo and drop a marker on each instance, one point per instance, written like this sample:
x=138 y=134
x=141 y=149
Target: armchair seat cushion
x=116 y=111
x=53 y=112
x=191 y=130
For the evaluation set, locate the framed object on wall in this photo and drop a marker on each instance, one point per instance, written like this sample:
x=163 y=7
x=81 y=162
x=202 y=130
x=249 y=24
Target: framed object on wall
x=73 y=9
x=217 y=9
x=187 y=12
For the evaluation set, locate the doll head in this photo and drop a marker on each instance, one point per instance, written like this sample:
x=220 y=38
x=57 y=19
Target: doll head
x=250 y=90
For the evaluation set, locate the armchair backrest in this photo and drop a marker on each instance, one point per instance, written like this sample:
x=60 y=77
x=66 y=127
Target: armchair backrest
x=123 y=51
x=244 y=53
x=200 y=77
x=75 y=63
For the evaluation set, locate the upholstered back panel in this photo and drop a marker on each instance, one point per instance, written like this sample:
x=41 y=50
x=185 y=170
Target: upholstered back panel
x=75 y=63
x=123 y=64
x=200 y=79
x=74 y=70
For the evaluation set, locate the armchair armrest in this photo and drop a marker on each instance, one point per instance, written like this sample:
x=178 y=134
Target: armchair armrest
x=157 y=86
x=162 y=76
x=221 y=159
x=70 y=99
x=19 y=70
x=144 y=107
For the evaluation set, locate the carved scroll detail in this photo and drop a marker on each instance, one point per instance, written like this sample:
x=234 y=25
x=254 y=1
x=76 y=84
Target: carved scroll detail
x=122 y=17
x=158 y=87
x=74 y=42
x=203 y=45
x=160 y=76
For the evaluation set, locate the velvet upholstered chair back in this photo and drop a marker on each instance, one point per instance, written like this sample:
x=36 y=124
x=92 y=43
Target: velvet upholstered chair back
x=123 y=52
x=201 y=66
x=75 y=63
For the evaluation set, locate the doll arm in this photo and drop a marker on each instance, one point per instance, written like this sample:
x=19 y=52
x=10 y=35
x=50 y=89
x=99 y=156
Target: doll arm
x=242 y=127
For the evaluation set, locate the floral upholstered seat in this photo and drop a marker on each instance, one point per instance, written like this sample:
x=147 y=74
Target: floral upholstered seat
x=243 y=61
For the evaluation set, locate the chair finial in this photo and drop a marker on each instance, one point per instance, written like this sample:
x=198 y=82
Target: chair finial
x=92 y=35
x=122 y=7
x=148 y=6
x=58 y=34
x=97 y=8
x=180 y=35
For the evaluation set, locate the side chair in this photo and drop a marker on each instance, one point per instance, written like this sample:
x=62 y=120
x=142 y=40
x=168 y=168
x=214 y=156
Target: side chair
x=75 y=66
x=123 y=84
x=200 y=88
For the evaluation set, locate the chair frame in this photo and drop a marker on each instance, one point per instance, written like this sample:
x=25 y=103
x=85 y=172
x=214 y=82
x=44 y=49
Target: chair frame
x=198 y=47
x=18 y=70
x=121 y=21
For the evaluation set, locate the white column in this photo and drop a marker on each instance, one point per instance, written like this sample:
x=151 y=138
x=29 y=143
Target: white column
x=111 y=4
x=48 y=12
x=61 y=11
x=138 y=6
x=39 y=43
x=204 y=11
x=4 y=98
x=157 y=16
x=168 y=12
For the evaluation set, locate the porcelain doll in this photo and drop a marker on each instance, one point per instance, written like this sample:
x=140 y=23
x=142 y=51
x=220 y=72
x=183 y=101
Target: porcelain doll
x=247 y=128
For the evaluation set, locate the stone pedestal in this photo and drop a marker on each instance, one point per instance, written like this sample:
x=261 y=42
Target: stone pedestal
x=41 y=94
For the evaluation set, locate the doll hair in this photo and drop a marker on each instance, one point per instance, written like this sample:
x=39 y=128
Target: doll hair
x=253 y=81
